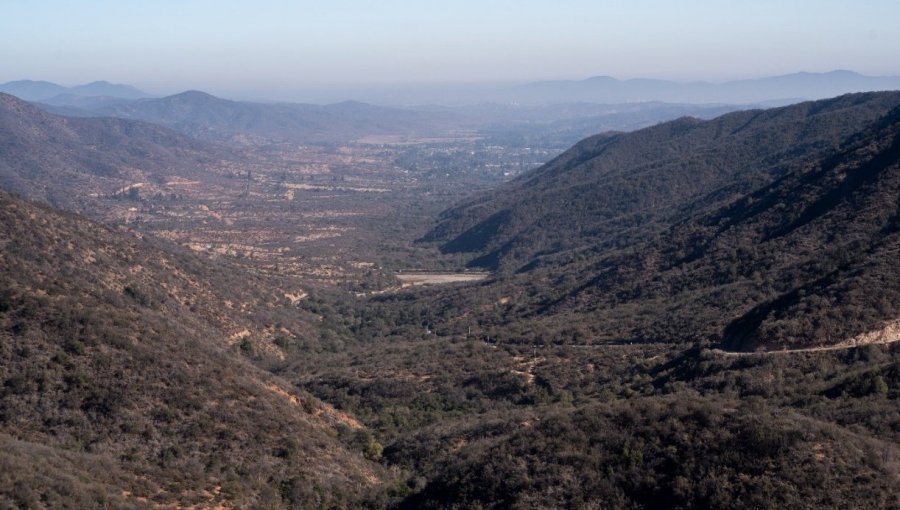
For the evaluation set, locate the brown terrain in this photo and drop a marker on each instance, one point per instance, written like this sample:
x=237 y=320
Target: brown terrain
x=254 y=325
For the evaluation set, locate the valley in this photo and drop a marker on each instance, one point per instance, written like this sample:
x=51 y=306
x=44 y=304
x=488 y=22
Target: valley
x=465 y=255
x=336 y=214
x=343 y=216
x=698 y=313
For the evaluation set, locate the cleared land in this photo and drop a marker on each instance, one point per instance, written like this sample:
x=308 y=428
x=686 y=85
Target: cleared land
x=439 y=278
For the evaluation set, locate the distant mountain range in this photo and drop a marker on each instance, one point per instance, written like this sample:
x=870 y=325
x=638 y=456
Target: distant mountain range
x=797 y=86
x=557 y=113
x=562 y=125
x=51 y=92
x=765 y=91
x=607 y=90
x=211 y=118
x=207 y=117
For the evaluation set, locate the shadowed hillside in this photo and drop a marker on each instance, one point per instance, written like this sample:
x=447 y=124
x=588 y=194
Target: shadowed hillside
x=805 y=261
x=613 y=188
x=770 y=229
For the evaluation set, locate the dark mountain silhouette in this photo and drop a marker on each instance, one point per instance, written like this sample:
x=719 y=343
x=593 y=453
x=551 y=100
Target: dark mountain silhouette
x=804 y=262
x=830 y=234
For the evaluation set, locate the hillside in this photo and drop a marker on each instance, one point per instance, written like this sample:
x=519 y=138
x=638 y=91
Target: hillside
x=208 y=117
x=126 y=379
x=807 y=260
x=755 y=230
x=827 y=236
x=645 y=453
x=64 y=160
x=614 y=187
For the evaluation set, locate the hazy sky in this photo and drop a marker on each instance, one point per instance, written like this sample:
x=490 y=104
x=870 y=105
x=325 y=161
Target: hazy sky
x=220 y=45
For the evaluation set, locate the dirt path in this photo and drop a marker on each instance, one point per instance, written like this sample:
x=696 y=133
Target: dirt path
x=890 y=333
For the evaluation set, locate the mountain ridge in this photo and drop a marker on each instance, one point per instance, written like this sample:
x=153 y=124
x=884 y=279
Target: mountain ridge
x=621 y=163
x=205 y=116
x=31 y=90
x=795 y=86
x=650 y=245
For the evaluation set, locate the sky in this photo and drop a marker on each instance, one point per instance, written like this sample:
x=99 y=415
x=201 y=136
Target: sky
x=276 y=45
